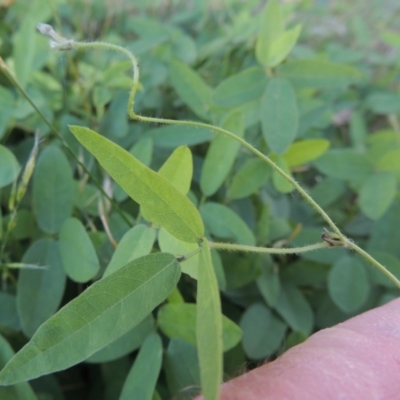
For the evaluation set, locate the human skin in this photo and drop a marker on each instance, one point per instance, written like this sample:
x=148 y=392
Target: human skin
x=357 y=359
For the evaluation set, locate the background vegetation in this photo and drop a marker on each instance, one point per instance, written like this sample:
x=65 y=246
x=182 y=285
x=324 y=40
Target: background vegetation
x=337 y=103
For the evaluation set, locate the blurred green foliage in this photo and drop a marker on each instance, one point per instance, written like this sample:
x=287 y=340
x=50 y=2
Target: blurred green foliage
x=324 y=106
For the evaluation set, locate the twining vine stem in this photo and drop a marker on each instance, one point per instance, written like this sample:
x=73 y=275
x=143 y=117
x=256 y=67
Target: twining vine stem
x=269 y=250
x=330 y=239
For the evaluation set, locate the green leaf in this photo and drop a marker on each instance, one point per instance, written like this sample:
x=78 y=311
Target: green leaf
x=272 y=26
x=328 y=191
x=142 y=378
x=240 y=271
x=160 y=200
x=281 y=47
x=250 y=177
x=304 y=151
x=53 y=190
x=279 y=115
x=135 y=243
x=21 y=391
x=293 y=339
x=348 y=284
x=8 y=312
x=209 y=327
x=262 y=228
x=102 y=95
x=114 y=123
x=327 y=313
x=385 y=235
x=377 y=193
x=178 y=169
x=221 y=155
x=24 y=50
x=251 y=112
x=7 y=107
x=39 y=291
x=171 y=244
x=241 y=88
x=293 y=307
x=383 y=102
x=225 y=223
x=318 y=74
x=391 y=38
x=268 y=282
x=143 y=150
x=181 y=367
x=87 y=198
x=191 y=88
x=77 y=252
x=358 y=130
x=280 y=183
x=306 y=273
x=9 y=167
x=389 y=161
x=312 y=235
x=175 y=135
x=263 y=333
x=178 y=320
x=125 y=344
x=184 y=47
x=345 y=164
x=219 y=269
x=390 y=262
x=381 y=143
x=101 y=314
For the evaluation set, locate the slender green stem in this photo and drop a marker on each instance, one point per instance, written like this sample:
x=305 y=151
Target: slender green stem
x=135 y=65
x=13 y=81
x=268 y=250
x=351 y=245
x=330 y=239
x=258 y=153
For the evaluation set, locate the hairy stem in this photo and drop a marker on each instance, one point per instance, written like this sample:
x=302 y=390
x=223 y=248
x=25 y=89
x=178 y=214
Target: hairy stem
x=374 y=262
x=336 y=240
x=265 y=158
x=268 y=250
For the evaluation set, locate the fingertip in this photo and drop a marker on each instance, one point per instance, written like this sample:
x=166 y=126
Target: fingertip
x=359 y=358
